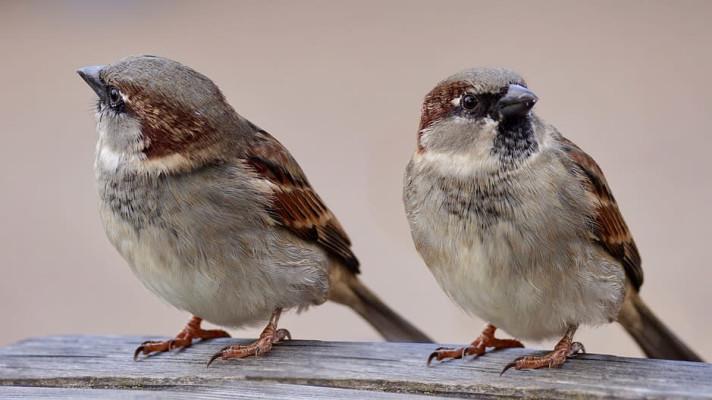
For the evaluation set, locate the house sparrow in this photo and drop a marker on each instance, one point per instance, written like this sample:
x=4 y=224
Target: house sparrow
x=519 y=226
x=212 y=213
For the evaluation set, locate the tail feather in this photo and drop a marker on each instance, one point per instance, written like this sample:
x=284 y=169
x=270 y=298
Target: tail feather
x=654 y=338
x=347 y=289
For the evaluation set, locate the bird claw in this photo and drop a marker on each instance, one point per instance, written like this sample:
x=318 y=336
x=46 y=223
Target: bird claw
x=554 y=359
x=183 y=340
x=154 y=346
x=577 y=348
x=508 y=366
x=138 y=350
x=433 y=355
x=260 y=346
x=282 y=335
x=217 y=355
x=476 y=348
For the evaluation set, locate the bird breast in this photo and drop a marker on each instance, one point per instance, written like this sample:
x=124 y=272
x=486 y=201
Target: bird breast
x=202 y=242
x=510 y=245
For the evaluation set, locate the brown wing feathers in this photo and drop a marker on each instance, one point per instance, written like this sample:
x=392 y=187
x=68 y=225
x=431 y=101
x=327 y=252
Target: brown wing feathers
x=296 y=205
x=610 y=230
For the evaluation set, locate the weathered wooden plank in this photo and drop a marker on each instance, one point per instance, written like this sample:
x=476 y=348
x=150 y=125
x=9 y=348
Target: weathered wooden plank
x=220 y=390
x=106 y=363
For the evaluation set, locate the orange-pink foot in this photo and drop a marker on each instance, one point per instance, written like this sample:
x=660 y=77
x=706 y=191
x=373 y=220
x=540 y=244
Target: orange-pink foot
x=555 y=359
x=476 y=348
x=183 y=339
x=270 y=335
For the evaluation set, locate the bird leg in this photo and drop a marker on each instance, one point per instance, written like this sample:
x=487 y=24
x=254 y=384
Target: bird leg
x=555 y=359
x=183 y=339
x=476 y=348
x=270 y=335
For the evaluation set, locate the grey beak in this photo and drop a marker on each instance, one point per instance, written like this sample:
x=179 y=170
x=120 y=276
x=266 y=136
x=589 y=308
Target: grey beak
x=516 y=102
x=91 y=77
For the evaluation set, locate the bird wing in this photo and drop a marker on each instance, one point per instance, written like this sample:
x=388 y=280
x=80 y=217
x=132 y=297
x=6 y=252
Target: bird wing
x=294 y=203
x=609 y=229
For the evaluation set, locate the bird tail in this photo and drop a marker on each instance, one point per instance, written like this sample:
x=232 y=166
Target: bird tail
x=348 y=290
x=654 y=338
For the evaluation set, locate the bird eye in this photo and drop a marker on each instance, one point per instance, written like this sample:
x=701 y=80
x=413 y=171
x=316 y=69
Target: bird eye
x=115 y=99
x=468 y=102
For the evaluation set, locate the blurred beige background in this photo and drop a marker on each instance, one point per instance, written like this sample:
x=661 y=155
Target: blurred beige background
x=340 y=85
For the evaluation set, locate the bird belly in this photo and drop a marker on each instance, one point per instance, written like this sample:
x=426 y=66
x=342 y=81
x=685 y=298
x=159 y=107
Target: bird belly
x=530 y=296
x=224 y=290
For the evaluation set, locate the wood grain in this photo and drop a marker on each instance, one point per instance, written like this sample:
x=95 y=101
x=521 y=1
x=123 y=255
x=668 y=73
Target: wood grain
x=102 y=366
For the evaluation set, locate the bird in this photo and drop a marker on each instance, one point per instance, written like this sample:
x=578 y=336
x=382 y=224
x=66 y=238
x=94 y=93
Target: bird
x=518 y=225
x=213 y=214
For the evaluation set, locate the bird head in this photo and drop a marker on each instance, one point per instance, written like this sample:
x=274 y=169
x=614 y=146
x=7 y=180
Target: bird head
x=156 y=113
x=482 y=111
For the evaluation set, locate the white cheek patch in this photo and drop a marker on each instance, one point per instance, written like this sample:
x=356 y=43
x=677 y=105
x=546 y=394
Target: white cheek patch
x=121 y=147
x=107 y=159
x=461 y=165
x=476 y=159
x=118 y=144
